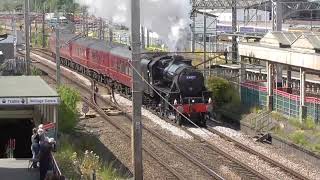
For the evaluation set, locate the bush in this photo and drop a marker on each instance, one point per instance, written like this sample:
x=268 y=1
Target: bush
x=36 y=39
x=309 y=124
x=224 y=93
x=81 y=165
x=65 y=158
x=36 y=72
x=68 y=113
x=298 y=137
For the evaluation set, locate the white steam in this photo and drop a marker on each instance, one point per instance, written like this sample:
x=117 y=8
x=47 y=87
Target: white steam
x=168 y=18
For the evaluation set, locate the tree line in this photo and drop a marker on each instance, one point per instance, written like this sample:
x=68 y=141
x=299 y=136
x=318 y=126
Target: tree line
x=40 y=5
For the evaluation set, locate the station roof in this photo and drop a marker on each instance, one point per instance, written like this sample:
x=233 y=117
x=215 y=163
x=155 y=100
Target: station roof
x=25 y=86
x=26 y=90
x=309 y=41
x=301 y=50
x=280 y=38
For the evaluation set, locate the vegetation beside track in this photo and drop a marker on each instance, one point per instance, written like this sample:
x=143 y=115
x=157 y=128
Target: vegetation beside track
x=225 y=96
x=305 y=134
x=77 y=160
x=68 y=113
x=80 y=162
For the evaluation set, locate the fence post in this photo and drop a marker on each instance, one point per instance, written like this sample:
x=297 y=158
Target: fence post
x=290 y=106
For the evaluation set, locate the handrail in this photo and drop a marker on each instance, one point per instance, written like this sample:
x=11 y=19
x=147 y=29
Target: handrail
x=55 y=168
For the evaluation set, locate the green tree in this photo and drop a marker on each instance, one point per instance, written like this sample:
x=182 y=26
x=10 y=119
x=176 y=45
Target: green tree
x=223 y=92
x=68 y=113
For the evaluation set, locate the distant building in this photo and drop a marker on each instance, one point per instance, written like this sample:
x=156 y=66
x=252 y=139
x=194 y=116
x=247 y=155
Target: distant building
x=7 y=47
x=252 y=15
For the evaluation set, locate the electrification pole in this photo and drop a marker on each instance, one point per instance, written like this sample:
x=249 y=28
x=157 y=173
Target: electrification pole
x=43 y=28
x=148 y=38
x=234 y=31
x=143 y=46
x=26 y=29
x=137 y=92
x=58 y=52
x=204 y=43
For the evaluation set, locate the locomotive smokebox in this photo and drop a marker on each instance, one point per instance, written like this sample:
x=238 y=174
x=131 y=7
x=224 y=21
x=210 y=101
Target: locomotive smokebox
x=191 y=82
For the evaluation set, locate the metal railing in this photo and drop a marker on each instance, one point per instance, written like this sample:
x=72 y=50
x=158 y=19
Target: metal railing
x=55 y=168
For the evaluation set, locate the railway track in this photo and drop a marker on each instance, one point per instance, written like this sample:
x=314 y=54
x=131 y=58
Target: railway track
x=210 y=174
x=241 y=167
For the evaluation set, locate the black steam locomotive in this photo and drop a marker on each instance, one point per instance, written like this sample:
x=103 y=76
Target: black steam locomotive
x=180 y=85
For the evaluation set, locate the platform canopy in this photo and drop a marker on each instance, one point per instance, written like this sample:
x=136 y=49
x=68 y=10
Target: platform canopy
x=26 y=90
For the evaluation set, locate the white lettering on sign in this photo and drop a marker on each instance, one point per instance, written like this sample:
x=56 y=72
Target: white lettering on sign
x=48 y=100
x=12 y=101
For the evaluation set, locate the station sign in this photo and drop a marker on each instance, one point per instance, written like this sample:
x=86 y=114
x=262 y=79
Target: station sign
x=29 y=101
x=12 y=101
x=46 y=100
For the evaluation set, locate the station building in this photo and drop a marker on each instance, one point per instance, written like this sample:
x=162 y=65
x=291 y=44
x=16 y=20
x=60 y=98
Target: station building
x=296 y=53
x=25 y=102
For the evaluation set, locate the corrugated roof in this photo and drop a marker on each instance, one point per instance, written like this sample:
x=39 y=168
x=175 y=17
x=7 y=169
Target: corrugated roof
x=314 y=39
x=286 y=38
x=308 y=41
x=25 y=86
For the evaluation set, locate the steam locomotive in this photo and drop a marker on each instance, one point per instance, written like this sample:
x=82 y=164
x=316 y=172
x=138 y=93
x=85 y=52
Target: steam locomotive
x=172 y=86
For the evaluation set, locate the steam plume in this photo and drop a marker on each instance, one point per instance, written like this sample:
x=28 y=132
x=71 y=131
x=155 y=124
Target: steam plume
x=168 y=18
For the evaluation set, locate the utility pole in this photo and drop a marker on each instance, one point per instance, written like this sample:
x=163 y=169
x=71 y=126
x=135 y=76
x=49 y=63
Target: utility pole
x=43 y=27
x=15 y=33
x=136 y=139
x=204 y=43
x=234 y=31
x=148 y=38
x=111 y=33
x=26 y=29
x=193 y=46
x=58 y=52
x=143 y=46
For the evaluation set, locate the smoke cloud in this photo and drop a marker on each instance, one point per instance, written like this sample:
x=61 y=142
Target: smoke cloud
x=168 y=18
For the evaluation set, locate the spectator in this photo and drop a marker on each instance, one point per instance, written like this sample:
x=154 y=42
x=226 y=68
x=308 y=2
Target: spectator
x=45 y=157
x=226 y=55
x=35 y=146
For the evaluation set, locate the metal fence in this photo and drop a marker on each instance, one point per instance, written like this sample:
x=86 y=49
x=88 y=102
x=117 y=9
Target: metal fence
x=254 y=95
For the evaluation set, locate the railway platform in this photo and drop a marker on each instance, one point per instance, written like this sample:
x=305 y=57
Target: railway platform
x=16 y=169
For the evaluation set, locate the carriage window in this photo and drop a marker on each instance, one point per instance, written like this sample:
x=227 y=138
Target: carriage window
x=118 y=66
x=123 y=67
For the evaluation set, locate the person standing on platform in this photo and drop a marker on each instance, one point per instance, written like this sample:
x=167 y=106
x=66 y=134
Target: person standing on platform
x=35 y=146
x=45 y=157
x=226 y=55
